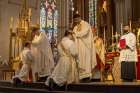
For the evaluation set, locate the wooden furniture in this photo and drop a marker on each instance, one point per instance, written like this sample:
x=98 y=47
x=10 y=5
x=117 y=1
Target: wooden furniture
x=5 y=72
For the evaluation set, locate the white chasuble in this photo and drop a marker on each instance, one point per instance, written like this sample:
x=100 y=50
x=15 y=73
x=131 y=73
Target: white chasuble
x=66 y=68
x=86 y=51
x=44 y=62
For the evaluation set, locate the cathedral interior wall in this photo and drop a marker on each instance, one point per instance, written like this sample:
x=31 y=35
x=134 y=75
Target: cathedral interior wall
x=8 y=9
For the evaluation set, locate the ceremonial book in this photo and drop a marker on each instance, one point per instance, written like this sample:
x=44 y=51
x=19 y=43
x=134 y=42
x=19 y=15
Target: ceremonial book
x=122 y=43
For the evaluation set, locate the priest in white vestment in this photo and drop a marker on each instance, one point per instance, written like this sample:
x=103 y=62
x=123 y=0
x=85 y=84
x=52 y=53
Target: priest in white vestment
x=128 y=55
x=27 y=60
x=44 y=62
x=86 y=51
x=66 y=70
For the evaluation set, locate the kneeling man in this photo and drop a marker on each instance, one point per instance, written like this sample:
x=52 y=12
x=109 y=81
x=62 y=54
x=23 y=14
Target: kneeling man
x=66 y=71
x=27 y=59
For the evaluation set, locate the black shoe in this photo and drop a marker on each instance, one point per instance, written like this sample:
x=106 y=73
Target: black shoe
x=85 y=80
x=51 y=84
x=127 y=80
x=42 y=79
x=16 y=81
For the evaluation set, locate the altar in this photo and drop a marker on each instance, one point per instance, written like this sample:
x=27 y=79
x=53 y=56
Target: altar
x=113 y=57
x=116 y=69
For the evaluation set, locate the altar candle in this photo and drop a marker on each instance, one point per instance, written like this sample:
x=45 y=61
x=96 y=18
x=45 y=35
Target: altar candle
x=77 y=12
x=97 y=32
x=11 y=22
x=116 y=35
x=17 y=25
x=104 y=36
x=130 y=23
x=26 y=27
x=112 y=34
x=29 y=14
x=121 y=29
x=112 y=30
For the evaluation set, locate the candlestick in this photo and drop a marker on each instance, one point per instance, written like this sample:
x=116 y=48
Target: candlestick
x=97 y=32
x=26 y=27
x=130 y=24
x=121 y=29
x=11 y=22
x=17 y=24
x=29 y=14
x=104 y=36
x=112 y=34
x=116 y=35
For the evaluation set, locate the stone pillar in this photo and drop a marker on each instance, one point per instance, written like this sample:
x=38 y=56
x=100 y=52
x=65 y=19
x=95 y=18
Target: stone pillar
x=63 y=19
x=109 y=23
x=127 y=11
x=123 y=13
x=12 y=8
x=118 y=15
x=82 y=7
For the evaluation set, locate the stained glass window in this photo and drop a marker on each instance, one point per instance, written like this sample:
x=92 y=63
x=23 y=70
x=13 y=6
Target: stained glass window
x=49 y=19
x=93 y=13
x=42 y=18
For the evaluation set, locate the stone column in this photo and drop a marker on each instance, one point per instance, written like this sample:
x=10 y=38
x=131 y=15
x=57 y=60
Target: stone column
x=119 y=18
x=82 y=7
x=63 y=19
x=127 y=11
x=109 y=22
x=123 y=13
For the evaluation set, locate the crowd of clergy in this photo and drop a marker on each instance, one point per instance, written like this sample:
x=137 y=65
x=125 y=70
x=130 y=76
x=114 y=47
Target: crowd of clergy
x=80 y=52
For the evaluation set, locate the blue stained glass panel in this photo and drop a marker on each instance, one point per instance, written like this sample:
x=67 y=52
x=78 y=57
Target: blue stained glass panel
x=93 y=13
x=49 y=18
